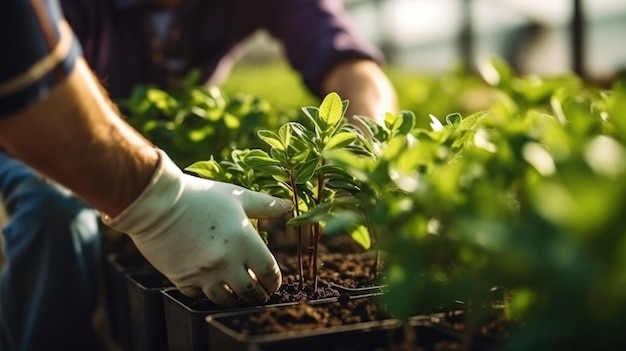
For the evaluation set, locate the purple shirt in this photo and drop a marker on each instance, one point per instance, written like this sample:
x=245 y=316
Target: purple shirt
x=119 y=40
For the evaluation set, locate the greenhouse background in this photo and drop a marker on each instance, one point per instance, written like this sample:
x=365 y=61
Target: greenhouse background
x=535 y=36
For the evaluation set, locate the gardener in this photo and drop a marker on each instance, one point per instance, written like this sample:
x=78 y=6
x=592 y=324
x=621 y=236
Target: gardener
x=54 y=236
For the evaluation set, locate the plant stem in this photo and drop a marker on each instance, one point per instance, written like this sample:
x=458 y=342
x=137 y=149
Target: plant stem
x=316 y=228
x=311 y=250
x=296 y=210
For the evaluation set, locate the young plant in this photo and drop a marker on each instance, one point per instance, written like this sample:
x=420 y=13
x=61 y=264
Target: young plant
x=296 y=160
x=357 y=187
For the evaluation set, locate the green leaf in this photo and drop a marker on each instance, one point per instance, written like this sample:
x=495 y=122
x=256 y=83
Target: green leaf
x=260 y=161
x=285 y=134
x=302 y=138
x=371 y=127
x=276 y=172
x=357 y=166
x=313 y=215
x=300 y=156
x=305 y=171
x=271 y=139
x=340 y=140
x=231 y=121
x=279 y=156
x=251 y=152
x=331 y=110
x=361 y=235
x=454 y=118
x=281 y=178
x=392 y=121
x=201 y=133
x=210 y=169
x=343 y=184
x=344 y=104
x=408 y=122
x=312 y=113
x=496 y=72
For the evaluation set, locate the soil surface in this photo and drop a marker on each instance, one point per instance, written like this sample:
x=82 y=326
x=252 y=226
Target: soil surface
x=344 y=312
x=305 y=316
x=351 y=270
x=289 y=291
x=348 y=270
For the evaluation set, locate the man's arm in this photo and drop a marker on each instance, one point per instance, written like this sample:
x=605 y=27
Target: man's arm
x=55 y=117
x=365 y=85
x=76 y=138
x=322 y=44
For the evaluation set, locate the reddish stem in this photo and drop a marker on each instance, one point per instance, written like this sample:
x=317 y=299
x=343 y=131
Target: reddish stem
x=317 y=232
x=298 y=229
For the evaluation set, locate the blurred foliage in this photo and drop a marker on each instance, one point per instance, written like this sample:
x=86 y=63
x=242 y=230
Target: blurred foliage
x=197 y=122
x=525 y=198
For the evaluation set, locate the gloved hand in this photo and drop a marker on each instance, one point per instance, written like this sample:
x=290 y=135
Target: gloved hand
x=197 y=233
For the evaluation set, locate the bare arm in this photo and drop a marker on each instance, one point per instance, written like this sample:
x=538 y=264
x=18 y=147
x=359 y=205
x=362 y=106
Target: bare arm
x=75 y=137
x=365 y=85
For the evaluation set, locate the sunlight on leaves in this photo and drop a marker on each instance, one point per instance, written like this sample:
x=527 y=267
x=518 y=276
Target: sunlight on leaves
x=606 y=156
x=539 y=158
x=331 y=109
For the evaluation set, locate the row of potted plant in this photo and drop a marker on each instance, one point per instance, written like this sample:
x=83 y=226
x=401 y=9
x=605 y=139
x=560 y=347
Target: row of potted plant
x=160 y=317
x=501 y=227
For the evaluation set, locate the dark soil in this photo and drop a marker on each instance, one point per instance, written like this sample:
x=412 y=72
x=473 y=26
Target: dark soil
x=344 y=312
x=289 y=291
x=352 y=270
x=305 y=316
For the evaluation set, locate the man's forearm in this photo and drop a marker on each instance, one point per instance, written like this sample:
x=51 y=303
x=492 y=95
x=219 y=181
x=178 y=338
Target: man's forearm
x=365 y=85
x=75 y=137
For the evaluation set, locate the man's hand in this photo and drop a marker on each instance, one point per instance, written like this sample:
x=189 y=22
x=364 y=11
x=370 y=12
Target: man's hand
x=197 y=233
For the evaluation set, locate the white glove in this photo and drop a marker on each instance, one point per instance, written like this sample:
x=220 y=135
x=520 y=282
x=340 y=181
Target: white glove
x=197 y=233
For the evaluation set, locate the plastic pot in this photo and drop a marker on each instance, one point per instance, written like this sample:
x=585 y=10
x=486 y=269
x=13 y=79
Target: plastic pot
x=185 y=320
x=118 y=265
x=361 y=336
x=147 y=315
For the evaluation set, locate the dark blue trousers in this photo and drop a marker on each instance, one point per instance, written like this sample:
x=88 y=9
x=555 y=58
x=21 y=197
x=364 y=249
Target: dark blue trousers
x=49 y=284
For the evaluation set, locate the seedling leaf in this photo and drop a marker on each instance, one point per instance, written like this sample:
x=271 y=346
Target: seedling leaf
x=340 y=140
x=331 y=110
x=210 y=169
x=361 y=235
x=271 y=139
x=454 y=118
x=305 y=171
